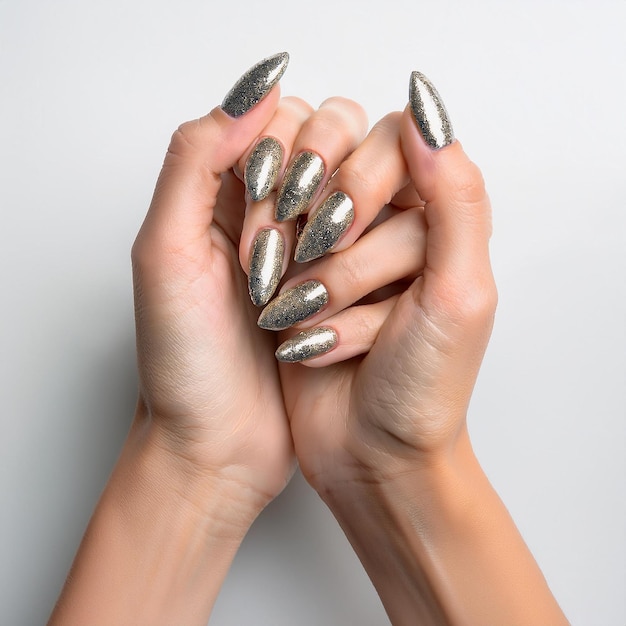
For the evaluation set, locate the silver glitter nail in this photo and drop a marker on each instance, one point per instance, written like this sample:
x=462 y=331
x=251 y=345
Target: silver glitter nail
x=301 y=182
x=294 y=305
x=255 y=84
x=429 y=112
x=325 y=227
x=262 y=168
x=307 y=344
x=266 y=264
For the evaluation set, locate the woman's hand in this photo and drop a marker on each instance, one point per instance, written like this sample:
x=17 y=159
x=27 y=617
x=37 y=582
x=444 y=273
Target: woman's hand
x=378 y=415
x=416 y=262
x=210 y=444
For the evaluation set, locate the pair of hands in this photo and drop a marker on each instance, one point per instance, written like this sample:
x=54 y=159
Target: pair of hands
x=411 y=297
x=377 y=423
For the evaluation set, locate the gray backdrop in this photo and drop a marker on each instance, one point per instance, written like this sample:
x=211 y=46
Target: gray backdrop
x=89 y=95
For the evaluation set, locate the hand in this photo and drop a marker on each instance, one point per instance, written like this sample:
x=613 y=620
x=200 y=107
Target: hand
x=209 y=380
x=210 y=443
x=378 y=415
x=417 y=345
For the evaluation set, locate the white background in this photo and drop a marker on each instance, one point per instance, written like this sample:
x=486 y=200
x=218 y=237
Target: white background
x=89 y=95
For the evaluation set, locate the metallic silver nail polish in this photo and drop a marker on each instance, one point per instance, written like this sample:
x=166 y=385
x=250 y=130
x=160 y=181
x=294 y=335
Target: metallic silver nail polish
x=266 y=264
x=325 y=227
x=294 y=305
x=262 y=168
x=301 y=181
x=429 y=112
x=255 y=84
x=307 y=344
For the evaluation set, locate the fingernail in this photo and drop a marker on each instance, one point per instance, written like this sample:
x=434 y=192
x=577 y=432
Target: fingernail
x=299 y=186
x=294 y=305
x=429 y=112
x=262 y=168
x=266 y=264
x=307 y=344
x=255 y=84
x=325 y=227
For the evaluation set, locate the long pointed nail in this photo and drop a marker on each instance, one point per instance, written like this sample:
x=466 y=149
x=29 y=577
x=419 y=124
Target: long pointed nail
x=325 y=227
x=262 y=168
x=294 y=305
x=429 y=112
x=266 y=264
x=255 y=84
x=299 y=186
x=307 y=344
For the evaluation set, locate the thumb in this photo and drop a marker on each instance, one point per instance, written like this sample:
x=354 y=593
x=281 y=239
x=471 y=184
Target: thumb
x=457 y=280
x=202 y=150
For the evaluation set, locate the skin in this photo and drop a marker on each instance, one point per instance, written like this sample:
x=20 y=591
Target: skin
x=379 y=430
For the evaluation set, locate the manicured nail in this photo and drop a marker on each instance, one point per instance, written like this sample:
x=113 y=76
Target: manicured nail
x=255 y=84
x=266 y=264
x=429 y=112
x=307 y=344
x=325 y=227
x=294 y=305
x=262 y=168
x=299 y=186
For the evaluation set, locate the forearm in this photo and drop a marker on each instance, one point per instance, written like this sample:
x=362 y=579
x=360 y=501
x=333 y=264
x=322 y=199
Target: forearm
x=159 y=544
x=441 y=548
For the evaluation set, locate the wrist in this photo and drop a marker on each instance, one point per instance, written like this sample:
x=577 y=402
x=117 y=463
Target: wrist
x=159 y=543
x=218 y=492
x=393 y=514
x=438 y=544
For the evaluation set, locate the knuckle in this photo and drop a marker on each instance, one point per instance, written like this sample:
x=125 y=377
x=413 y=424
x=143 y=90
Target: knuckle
x=467 y=184
x=139 y=253
x=352 y=270
x=185 y=138
x=364 y=327
x=296 y=105
x=472 y=304
x=388 y=125
x=345 y=112
x=354 y=176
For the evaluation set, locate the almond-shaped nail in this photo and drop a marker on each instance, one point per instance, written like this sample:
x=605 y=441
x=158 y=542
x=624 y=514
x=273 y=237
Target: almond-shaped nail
x=262 y=168
x=325 y=227
x=294 y=305
x=429 y=112
x=307 y=344
x=255 y=84
x=266 y=264
x=301 y=181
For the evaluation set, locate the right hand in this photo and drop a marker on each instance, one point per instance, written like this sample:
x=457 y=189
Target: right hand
x=393 y=394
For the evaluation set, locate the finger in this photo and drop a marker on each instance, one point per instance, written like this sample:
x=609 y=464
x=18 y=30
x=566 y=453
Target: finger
x=265 y=162
x=200 y=151
x=324 y=137
x=264 y=242
x=388 y=253
x=350 y=333
x=325 y=140
x=364 y=183
x=457 y=275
